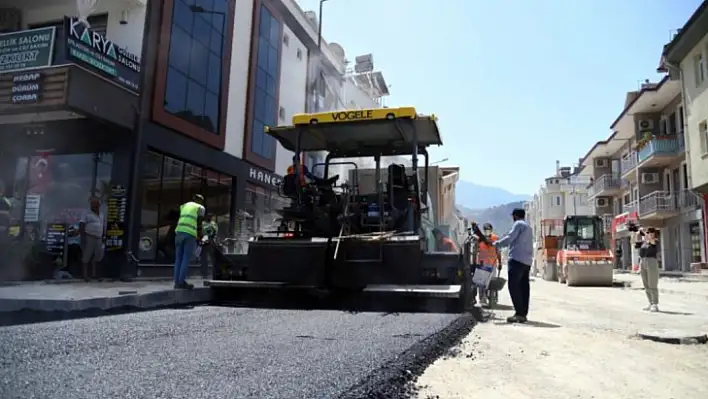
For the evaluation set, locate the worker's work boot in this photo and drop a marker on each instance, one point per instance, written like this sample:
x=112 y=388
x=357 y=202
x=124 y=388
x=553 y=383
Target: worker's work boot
x=654 y=308
x=516 y=319
x=647 y=308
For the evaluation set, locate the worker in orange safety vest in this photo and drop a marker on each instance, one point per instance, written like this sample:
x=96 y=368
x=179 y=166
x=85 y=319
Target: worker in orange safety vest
x=488 y=255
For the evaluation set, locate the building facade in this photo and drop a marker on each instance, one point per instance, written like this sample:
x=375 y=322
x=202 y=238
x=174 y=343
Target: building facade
x=563 y=194
x=150 y=103
x=685 y=59
x=640 y=174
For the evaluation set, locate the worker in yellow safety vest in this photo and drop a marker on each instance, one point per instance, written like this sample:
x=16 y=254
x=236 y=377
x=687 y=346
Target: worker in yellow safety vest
x=186 y=233
x=488 y=255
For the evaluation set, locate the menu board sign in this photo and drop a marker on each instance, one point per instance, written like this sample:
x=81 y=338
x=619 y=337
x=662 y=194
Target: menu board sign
x=115 y=218
x=56 y=234
x=32 y=202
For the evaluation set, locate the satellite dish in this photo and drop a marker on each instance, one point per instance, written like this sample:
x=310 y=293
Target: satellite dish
x=337 y=50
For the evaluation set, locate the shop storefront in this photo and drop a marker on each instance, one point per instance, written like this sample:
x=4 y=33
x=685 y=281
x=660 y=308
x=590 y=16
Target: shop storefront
x=168 y=182
x=261 y=200
x=622 y=237
x=66 y=116
x=681 y=241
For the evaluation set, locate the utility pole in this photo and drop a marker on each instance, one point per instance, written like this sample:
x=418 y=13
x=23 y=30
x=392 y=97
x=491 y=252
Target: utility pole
x=575 y=209
x=320 y=76
x=319 y=26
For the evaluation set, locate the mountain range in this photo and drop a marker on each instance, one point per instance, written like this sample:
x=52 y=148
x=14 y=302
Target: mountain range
x=485 y=204
x=499 y=216
x=476 y=196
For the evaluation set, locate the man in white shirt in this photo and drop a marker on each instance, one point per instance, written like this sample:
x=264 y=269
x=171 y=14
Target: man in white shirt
x=91 y=231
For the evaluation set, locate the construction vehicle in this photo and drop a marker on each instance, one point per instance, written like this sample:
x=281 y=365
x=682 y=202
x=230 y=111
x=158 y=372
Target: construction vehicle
x=583 y=258
x=547 y=251
x=335 y=241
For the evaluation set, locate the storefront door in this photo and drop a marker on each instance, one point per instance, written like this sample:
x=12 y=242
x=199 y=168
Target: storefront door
x=694 y=233
x=50 y=194
x=167 y=183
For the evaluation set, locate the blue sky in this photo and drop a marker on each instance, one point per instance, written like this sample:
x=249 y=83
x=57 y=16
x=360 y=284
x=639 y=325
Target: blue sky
x=516 y=84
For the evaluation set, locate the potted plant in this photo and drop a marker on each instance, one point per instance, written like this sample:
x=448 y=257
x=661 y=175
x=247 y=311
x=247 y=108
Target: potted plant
x=642 y=142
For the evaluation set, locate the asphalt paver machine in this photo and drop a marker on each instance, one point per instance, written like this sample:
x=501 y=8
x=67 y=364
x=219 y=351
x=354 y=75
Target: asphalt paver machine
x=336 y=241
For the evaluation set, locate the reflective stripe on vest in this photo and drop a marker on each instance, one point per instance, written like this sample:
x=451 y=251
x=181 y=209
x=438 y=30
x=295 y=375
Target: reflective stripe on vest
x=188 y=214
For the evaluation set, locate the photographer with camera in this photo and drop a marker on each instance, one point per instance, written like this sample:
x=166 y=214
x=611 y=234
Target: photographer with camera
x=646 y=242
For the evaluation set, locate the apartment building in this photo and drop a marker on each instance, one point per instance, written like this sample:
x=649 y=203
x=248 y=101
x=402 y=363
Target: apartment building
x=640 y=174
x=685 y=58
x=147 y=102
x=563 y=194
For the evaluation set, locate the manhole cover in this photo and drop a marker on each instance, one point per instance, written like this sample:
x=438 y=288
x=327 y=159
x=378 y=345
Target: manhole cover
x=676 y=337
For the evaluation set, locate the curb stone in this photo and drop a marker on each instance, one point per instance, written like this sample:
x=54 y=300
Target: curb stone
x=24 y=311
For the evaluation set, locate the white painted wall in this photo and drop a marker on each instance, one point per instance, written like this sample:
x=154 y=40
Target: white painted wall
x=238 y=80
x=355 y=98
x=557 y=200
x=299 y=14
x=696 y=109
x=129 y=36
x=293 y=90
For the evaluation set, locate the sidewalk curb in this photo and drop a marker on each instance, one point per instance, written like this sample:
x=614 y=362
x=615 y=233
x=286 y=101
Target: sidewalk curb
x=25 y=311
x=134 y=280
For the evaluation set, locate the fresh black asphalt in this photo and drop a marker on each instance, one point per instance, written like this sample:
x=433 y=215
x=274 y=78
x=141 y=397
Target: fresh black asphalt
x=212 y=352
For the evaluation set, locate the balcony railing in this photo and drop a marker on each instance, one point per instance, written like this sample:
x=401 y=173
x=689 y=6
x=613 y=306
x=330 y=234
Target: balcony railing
x=681 y=143
x=602 y=183
x=628 y=164
x=658 y=201
x=630 y=207
x=666 y=146
x=607 y=219
x=687 y=199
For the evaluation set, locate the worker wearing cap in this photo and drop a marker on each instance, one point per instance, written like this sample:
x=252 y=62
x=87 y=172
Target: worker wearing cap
x=303 y=173
x=520 y=242
x=186 y=233
x=488 y=255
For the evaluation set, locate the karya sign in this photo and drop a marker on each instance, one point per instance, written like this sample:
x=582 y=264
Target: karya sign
x=91 y=49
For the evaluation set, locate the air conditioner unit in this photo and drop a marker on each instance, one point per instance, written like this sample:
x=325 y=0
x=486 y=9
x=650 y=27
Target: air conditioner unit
x=645 y=124
x=601 y=163
x=650 y=178
x=601 y=202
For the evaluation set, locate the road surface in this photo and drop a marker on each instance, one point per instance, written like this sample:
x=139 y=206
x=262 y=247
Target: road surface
x=204 y=352
x=580 y=344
